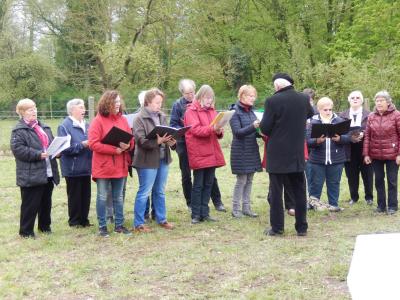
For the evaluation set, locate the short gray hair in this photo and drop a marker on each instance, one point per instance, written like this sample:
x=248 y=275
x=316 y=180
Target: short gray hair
x=281 y=83
x=383 y=94
x=72 y=103
x=184 y=83
x=141 y=98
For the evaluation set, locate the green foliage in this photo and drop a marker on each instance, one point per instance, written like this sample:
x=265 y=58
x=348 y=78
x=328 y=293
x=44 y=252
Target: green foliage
x=238 y=68
x=333 y=46
x=337 y=79
x=28 y=76
x=374 y=29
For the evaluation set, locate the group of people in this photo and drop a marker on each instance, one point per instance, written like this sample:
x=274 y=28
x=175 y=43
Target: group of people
x=290 y=156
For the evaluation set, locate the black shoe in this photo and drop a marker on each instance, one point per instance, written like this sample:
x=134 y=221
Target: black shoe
x=380 y=210
x=271 y=232
x=220 y=208
x=370 y=202
x=302 y=233
x=209 y=219
x=391 y=211
x=76 y=225
x=237 y=214
x=103 y=232
x=122 y=229
x=27 y=236
x=45 y=230
x=250 y=214
x=196 y=220
x=87 y=224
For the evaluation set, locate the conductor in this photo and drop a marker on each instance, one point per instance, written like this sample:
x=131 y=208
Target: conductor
x=284 y=121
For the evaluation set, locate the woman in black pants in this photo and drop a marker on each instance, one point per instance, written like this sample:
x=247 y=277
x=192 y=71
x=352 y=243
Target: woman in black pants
x=36 y=172
x=355 y=164
x=381 y=148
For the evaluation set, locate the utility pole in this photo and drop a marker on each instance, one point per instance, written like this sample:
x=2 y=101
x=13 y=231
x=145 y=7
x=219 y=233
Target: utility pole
x=91 y=107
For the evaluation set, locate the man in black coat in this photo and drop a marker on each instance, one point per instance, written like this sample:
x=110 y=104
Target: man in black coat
x=284 y=121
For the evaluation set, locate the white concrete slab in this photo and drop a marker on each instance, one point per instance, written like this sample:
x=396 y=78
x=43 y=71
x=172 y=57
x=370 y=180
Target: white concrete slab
x=375 y=267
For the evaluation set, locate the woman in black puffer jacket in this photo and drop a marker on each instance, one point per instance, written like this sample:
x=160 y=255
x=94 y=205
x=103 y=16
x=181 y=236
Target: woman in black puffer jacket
x=36 y=172
x=245 y=155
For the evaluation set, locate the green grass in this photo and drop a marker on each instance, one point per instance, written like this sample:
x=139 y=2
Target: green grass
x=231 y=259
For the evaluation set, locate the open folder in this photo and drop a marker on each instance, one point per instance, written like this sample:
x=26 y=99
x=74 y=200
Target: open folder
x=330 y=130
x=162 y=130
x=59 y=144
x=117 y=135
x=222 y=118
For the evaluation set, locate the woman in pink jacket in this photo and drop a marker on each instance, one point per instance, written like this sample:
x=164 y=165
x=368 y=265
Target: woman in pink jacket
x=109 y=163
x=204 y=151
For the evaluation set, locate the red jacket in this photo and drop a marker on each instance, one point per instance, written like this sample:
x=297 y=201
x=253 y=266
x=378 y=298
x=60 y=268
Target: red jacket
x=382 y=135
x=106 y=163
x=202 y=143
x=264 y=161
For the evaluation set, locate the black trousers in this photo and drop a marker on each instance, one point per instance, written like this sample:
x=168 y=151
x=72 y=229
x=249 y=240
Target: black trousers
x=288 y=197
x=78 y=192
x=391 y=175
x=295 y=182
x=202 y=186
x=187 y=178
x=36 y=200
x=353 y=168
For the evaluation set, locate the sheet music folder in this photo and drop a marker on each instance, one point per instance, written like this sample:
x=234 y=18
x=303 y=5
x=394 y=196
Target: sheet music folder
x=329 y=130
x=161 y=130
x=117 y=135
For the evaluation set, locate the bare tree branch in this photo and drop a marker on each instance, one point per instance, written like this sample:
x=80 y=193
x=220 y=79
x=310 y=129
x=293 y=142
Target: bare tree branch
x=138 y=33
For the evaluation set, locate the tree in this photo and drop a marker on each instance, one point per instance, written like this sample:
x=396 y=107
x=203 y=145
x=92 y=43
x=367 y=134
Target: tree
x=26 y=76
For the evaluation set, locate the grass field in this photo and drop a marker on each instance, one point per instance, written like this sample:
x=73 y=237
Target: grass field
x=231 y=259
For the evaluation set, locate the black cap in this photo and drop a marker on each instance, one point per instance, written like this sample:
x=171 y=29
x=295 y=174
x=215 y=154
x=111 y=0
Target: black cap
x=283 y=76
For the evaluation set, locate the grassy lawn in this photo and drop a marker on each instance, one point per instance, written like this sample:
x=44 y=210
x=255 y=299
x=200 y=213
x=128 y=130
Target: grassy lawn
x=231 y=259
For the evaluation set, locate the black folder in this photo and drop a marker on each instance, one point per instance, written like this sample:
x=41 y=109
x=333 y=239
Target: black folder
x=330 y=130
x=117 y=135
x=162 y=130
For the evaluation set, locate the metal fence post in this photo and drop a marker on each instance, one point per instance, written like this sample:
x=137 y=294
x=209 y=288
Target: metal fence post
x=91 y=107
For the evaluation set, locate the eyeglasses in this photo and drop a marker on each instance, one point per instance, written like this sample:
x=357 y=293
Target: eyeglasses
x=189 y=93
x=327 y=109
x=31 y=109
x=355 y=97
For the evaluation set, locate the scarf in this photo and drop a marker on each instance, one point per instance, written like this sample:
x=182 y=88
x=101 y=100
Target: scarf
x=44 y=139
x=246 y=107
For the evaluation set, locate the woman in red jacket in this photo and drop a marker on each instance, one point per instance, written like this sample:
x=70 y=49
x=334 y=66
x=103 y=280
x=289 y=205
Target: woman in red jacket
x=109 y=163
x=381 y=147
x=204 y=151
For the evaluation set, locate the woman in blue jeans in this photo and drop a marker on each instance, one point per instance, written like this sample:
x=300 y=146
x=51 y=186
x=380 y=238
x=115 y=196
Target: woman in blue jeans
x=109 y=163
x=327 y=156
x=151 y=160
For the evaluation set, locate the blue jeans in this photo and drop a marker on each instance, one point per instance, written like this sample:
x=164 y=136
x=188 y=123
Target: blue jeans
x=117 y=185
x=332 y=174
x=151 y=181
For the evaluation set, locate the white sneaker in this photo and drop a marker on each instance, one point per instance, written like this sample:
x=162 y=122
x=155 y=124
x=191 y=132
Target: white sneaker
x=335 y=208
